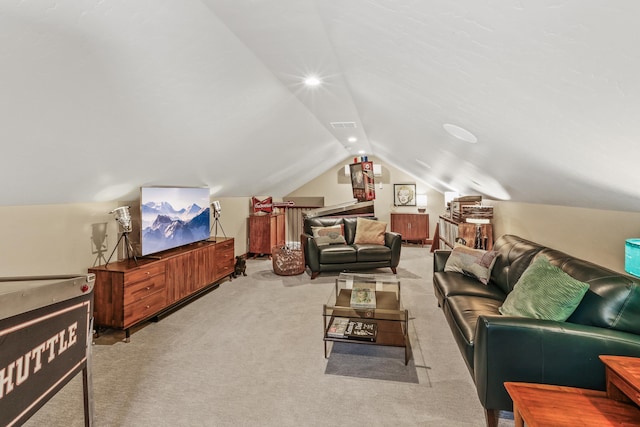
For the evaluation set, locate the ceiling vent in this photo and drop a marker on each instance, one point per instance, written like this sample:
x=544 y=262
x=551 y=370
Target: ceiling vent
x=343 y=125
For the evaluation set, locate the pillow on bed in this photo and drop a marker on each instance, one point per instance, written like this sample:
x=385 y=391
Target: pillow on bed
x=476 y=263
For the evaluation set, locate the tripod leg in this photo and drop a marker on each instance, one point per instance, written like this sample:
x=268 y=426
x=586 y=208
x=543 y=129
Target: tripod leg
x=130 y=248
x=115 y=247
x=223 y=233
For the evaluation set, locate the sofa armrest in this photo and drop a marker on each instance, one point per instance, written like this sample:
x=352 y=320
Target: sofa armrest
x=394 y=242
x=542 y=351
x=440 y=257
x=311 y=254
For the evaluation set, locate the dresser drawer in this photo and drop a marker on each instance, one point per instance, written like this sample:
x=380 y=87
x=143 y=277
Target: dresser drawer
x=144 y=308
x=139 y=290
x=223 y=270
x=225 y=262
x=226 y=245
x=144 y=272
x=225 y=257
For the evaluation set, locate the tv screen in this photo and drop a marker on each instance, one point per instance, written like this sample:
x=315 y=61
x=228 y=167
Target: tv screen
x=172 y=217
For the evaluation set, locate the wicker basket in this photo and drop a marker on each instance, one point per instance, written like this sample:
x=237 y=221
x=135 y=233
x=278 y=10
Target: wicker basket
x=287 y=261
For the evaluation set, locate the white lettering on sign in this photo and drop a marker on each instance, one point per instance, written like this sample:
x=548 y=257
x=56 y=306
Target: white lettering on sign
x=18 y=371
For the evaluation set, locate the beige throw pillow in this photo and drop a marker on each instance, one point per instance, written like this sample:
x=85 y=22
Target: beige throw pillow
x=472 y=262
x=369 y=231
x=332 y=235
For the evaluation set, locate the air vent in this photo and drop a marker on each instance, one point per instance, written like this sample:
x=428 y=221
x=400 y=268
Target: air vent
x=343 y=125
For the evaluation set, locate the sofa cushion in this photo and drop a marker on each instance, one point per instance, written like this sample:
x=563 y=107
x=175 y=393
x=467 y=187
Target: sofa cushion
x=370 y=232
x=613 y=299
x=337 y=254
x=373 y=253
x=329 y=235
x=449 y=284
x=462 y=313
x=476 y=263
x=544 y=291
x=612 y=303
x=514 y=256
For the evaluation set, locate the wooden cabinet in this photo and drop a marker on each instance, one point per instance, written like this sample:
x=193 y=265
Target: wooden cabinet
x=127 y=294
x=412 y=227
x=450 y=230
x=265 y=232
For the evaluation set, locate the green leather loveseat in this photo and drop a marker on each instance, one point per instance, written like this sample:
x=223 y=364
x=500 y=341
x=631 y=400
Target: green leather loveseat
x=499 y=348
x=348 y=255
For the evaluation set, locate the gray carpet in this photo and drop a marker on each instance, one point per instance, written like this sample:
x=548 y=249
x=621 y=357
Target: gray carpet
x=251 y=353
x=373 y=362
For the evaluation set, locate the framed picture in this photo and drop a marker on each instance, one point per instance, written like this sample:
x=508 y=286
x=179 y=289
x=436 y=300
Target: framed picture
x=404 y=194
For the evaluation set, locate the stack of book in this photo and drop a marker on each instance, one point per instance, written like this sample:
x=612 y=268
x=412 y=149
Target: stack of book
x=355 y=329
x=363 y=298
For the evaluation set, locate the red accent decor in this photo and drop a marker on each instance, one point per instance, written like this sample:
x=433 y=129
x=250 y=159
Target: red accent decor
x=265 y=205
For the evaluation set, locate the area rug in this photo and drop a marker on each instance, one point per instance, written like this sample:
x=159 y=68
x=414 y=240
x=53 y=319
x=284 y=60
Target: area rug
x=371 y=361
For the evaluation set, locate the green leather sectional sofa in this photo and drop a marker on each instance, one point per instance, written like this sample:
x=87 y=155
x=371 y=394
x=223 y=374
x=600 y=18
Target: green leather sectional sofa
x=499 y=348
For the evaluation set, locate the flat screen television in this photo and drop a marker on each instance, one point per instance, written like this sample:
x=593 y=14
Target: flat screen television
x=173 y=217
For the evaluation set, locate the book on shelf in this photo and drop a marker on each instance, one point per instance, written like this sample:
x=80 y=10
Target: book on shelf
x=337 y=327
x=363 y=298
x=363 y=330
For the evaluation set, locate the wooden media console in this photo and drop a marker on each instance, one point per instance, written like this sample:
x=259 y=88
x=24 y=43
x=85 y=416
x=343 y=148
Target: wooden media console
x=127 y=294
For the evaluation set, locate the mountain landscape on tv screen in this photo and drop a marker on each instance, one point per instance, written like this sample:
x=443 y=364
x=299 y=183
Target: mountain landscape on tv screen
x=165 y=227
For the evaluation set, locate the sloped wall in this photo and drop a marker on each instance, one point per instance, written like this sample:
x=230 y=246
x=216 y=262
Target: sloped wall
x=591 y=234
x=335 y=189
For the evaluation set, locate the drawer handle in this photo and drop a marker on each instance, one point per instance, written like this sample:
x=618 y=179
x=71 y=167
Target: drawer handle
x=148 y=287
x=148 y=306
x=148 y=273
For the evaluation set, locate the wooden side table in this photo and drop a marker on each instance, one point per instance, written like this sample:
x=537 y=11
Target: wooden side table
x=623 y=378
x=543 y=405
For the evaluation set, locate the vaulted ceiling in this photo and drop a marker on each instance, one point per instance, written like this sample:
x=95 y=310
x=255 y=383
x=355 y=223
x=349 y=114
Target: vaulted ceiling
x=101 y=97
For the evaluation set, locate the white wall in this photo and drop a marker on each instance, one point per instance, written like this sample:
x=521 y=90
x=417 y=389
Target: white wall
x=335 y=189
x=592 y=234
x=53 y=239
x=57 y=239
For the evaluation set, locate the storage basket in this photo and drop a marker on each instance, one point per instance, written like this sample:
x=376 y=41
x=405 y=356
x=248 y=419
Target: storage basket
x=287 y=261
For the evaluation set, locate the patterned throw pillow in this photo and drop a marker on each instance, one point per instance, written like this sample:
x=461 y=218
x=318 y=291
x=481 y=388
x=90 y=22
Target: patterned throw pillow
x=471 y=262
x=369 y=231
x=544 y=291
x=332 y=235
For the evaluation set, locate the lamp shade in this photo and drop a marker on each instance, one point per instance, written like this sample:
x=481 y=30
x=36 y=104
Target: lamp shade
x=421 y=200
x=632 y=257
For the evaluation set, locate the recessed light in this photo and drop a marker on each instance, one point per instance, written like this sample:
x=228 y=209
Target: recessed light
x=460 y=133
x=361 y=152
x=352 y=139
x=312 y=81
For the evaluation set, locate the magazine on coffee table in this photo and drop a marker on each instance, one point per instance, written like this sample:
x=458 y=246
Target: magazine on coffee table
x=362 y=330
x=338 y=327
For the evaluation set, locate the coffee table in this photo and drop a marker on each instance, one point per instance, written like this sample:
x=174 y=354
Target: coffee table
x=389 y=315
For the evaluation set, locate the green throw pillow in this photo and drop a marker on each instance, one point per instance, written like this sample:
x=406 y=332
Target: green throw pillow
x=544 y=291
x=471 y=262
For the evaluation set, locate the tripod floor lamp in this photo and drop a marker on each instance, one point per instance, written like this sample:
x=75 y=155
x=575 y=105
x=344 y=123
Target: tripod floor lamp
x=124 y=219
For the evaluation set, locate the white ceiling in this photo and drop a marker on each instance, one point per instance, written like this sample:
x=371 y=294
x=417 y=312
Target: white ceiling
x=101 y=97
